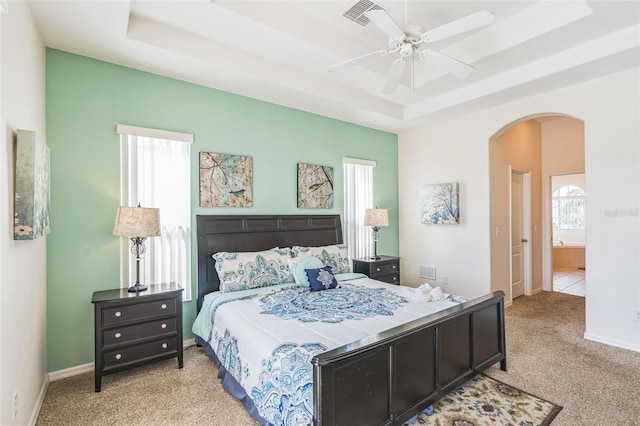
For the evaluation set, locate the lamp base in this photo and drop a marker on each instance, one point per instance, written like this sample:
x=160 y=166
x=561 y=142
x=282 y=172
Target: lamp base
x=137 y=288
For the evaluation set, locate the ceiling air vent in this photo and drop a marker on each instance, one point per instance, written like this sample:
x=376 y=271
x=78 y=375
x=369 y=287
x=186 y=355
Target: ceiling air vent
x=356 y=13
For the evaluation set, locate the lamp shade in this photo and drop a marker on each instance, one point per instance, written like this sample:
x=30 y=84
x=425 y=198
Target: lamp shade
x=376 y=217
x=137 y=222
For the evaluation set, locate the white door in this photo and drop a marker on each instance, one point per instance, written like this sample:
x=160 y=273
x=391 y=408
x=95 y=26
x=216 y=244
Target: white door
x=517 y=239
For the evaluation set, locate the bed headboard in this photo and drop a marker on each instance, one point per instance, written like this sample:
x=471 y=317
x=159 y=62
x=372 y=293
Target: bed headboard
x=254 y=233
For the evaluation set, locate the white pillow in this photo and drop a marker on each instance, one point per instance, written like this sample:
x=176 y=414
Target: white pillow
x=246 y=270
x=298 y=265
x=334 y=255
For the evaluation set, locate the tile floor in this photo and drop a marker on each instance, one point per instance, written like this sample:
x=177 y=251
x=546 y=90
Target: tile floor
x=569 y=280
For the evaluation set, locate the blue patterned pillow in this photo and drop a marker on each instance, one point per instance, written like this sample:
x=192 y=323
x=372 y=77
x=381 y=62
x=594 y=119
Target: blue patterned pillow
x=321 y=278
x=298 y=266
x=334 y=255
x=245 y=270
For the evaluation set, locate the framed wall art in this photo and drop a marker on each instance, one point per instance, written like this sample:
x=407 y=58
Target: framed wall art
x=315 y=186
x=439 y=204
x=32 y=193
x=226 y=180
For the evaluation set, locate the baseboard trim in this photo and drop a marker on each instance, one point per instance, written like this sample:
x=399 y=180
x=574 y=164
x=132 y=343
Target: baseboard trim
x=38 y=406
x=89 y=367
x=71 y=371
x=612 y=342
x=537 y=290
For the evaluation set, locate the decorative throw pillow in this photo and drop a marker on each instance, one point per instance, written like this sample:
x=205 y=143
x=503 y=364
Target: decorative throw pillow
x=334 y=255
x=321 y=278
x=246 y=270
x=298 y=266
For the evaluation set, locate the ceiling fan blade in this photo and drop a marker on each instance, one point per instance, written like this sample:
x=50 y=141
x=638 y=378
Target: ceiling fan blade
x=359 y=59
x=467 y=23
x=393 y=78
x=447 y=63
x=382 y=19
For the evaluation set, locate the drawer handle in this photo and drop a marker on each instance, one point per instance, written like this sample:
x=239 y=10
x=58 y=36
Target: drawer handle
x=163 y=306
x=118 y=314
x=393 y=267
x=164 y=346
x=163 y=326
x=118 y=356
x=395 y=278
x=377 y=269
x=118 y=335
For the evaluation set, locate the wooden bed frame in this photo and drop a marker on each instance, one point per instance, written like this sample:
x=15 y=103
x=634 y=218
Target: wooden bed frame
x=384 y=379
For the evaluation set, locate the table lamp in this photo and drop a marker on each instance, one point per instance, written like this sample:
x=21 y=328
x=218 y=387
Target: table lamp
x=137 y=223
x=376 y=218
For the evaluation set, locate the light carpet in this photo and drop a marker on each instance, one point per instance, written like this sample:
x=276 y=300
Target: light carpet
x=547 y=355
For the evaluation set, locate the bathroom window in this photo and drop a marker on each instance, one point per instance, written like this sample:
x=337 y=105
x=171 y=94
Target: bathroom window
x=568 y=203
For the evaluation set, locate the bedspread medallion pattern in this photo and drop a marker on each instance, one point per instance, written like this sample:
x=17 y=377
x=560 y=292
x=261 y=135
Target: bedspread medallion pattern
x=284 y=392
x=347 y=302
x=227 y=352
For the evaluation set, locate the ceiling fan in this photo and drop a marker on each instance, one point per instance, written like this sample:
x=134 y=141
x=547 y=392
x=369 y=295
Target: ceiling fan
x=408 y=39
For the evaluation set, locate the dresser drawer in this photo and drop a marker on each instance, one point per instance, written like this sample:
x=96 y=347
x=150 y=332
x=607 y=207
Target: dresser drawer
x=383 y=268
x=121 y=335
x=123 y=356
x=386 y=268
x=391 y=279
x=125 y=313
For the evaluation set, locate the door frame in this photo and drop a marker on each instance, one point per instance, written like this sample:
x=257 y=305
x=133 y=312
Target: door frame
x=547 y=227
x=526 y=230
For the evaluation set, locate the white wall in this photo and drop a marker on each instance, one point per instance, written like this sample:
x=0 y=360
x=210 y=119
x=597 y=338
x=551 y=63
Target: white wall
x=458 y=151
x=22 y=263
x=521 y=148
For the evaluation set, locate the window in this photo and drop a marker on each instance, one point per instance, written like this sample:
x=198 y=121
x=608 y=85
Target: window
x=155 y=172
x=568 y=207
x=358 y=196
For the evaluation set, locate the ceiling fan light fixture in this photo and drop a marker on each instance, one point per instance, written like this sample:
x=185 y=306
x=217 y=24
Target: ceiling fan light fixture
x=406 y=50
x=407 y=39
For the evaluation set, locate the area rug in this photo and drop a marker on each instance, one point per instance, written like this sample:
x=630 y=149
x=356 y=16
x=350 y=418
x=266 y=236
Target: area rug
x=486 y=401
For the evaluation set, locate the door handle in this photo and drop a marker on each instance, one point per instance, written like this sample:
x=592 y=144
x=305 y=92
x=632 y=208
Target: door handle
x=524 y=240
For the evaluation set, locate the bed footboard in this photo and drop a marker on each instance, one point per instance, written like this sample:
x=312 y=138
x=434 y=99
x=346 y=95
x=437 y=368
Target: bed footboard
x=388 y=378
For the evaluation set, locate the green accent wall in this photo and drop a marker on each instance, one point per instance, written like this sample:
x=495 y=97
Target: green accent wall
x=87 y=98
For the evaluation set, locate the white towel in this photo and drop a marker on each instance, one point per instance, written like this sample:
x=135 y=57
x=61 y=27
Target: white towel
x=437 y=294
x=425 y=293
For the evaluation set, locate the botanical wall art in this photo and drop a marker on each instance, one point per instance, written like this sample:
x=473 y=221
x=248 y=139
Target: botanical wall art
x=315 y=186
x=31 y=206
x=226 y=180
x=439 y=204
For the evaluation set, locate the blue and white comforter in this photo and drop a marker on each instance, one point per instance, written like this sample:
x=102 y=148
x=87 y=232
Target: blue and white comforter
x=267 y=337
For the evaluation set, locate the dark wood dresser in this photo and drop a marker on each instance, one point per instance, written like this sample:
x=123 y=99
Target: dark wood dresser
x=386 y=269
x=134 y=329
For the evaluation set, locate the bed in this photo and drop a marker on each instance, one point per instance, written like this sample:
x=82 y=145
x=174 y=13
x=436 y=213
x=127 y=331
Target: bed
x=383 y=377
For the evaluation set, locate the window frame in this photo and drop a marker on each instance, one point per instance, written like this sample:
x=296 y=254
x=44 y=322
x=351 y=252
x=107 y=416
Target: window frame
x=577 y=198
x=126 y=258
x=358 y=196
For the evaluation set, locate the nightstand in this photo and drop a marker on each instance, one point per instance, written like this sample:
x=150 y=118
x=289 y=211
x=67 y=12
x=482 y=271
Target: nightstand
x=134 y=329
x=386 y=269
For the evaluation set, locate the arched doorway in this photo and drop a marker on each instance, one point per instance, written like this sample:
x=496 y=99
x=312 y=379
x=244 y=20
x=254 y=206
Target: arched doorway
x=539 y=146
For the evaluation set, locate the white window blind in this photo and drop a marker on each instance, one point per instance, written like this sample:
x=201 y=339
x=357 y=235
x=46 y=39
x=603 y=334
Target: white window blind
x=155 y=172
x=358 y=196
